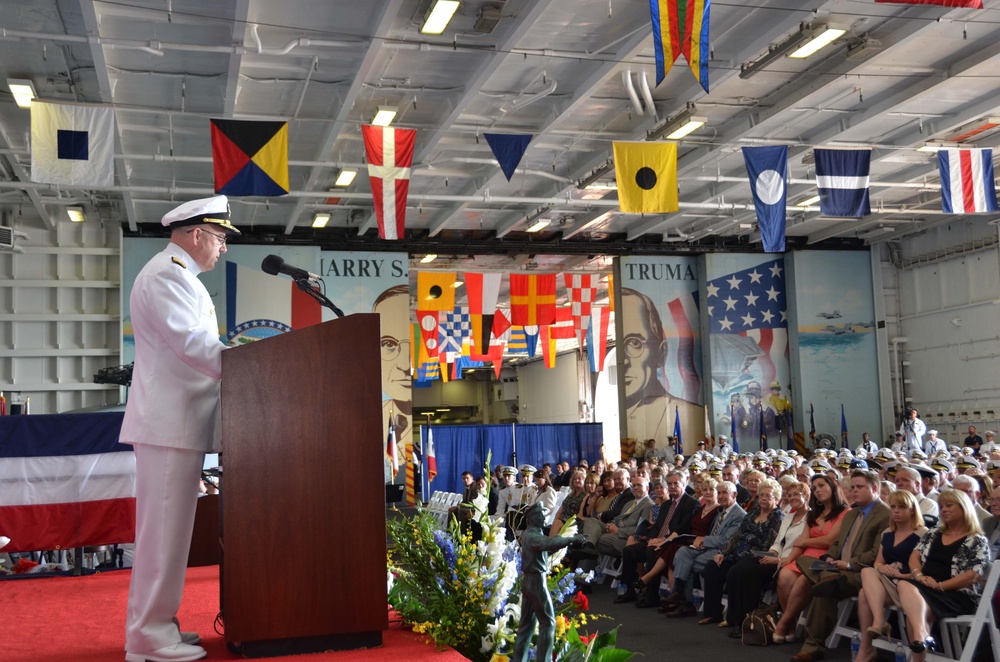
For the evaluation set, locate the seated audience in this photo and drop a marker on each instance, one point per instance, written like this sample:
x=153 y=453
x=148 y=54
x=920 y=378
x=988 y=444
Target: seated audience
x=947 y=566
x=618 y=531
x=598 y=494
x=878 y=583
x=691 y=561
x=665 y=547
x=992 y=528
x=826 y=511
x=747 y=579
x=757 y=532
x=545 y=494
x=855 y=548
x=572 y=503
x=969 y=486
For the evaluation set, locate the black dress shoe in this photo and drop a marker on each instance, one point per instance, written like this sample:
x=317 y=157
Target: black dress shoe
x=683 y=611
x=666 y=607
x=735 y=633
x=627 y=596
x=638 y=586
x=927 y=644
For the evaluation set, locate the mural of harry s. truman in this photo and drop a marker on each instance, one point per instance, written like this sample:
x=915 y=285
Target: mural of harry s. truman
x=650 y=409
x=393 y=306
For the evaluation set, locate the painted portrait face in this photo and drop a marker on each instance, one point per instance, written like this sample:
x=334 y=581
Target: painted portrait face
x=643 y=351
x=395 y=346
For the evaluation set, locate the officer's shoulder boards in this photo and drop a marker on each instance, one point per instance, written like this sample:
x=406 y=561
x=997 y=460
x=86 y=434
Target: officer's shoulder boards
x=179 y=262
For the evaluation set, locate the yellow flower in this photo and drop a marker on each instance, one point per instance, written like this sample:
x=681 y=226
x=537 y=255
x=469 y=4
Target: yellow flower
x=562 y=624
x=497 y=657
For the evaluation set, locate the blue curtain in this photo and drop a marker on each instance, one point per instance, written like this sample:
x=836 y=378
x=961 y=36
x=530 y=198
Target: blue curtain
x=461 y=448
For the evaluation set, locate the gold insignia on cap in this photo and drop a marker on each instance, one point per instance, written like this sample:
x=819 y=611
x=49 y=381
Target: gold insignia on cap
x=179 y=262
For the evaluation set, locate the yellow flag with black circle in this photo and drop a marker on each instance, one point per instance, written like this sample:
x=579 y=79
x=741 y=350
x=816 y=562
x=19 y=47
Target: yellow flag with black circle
x=646 y=173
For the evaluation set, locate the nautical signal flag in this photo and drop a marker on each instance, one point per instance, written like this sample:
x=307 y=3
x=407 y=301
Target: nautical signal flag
x=646 y=174
x=482 y=291
x=390 y=154
x=428 y=322
x=508 y=150
x=967 y=185
x=548 y=346
x=500 y=323
x=563 y=327
x=532 y=299
x=842 y=178
x=72 y=145
x=597 y=337
x=767 y=168
x=436 y=290
x=681 y=26
x=968 y=4
x=250 y=158
x=582 y=290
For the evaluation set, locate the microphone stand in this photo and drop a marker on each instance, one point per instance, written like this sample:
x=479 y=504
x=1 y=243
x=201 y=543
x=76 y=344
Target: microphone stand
x=303 y=284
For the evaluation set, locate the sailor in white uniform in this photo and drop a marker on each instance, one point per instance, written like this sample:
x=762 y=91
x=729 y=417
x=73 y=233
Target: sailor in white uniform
x=172 y=419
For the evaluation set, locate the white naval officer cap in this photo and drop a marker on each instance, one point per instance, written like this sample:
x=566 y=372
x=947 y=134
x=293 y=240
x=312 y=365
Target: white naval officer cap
x=213 y=211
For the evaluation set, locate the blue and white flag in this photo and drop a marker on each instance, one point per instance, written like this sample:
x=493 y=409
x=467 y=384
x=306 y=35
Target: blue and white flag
x=768 y=171
x=842 y=177
x=72 y=145
x=967 y=185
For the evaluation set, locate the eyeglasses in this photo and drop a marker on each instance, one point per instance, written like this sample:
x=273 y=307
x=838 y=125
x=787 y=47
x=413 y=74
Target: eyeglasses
x=391 y=347
x=634 y=346
x=220 y=237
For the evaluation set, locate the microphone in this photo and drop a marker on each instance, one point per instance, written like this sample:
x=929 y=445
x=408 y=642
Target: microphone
x=274 y=265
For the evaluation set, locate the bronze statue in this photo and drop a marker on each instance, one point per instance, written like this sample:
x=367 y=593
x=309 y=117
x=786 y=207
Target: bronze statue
x=536 y=603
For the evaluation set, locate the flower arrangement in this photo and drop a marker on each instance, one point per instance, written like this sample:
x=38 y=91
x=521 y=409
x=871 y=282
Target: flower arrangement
x=466 y=594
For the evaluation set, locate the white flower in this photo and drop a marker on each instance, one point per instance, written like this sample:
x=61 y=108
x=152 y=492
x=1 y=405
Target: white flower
x=389 y=579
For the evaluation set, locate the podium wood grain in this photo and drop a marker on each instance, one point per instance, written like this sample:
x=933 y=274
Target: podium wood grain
x=303 y=498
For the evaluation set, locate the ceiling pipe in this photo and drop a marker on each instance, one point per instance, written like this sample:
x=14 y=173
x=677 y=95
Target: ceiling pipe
x=647 y=95
x=630 y=89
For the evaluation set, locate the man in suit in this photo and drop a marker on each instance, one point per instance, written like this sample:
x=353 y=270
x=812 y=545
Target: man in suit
x=674 y=520
x=593 y=527
x=731 y=473
x=857 y=546
x=690 y=561
x=617 y=532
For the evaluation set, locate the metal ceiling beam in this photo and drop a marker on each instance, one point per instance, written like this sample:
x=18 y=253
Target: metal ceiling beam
x=92 y=25
x=240 y=14
x=390 y=9
x=811 y=82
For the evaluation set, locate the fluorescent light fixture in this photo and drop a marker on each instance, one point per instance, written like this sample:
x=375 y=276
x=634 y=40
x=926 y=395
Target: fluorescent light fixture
x=76 y=214
x=23 y=91
x=675 y=128
x=596 y=174
x=430 y=257
x=808 y=202
x=934 y=145
x=384 y=116
x=345 y=177
x=602 y=186
x=539 y=224
x=822 y=36
x=439 y=16
x=320 y=220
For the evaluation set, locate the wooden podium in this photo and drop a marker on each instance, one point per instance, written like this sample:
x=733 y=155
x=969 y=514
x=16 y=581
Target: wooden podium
x=303 y=566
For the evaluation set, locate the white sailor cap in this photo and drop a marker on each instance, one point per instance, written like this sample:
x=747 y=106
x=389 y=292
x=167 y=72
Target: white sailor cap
x=723 y=437
x=933 y=432
x=213 y=211
x=990 y=433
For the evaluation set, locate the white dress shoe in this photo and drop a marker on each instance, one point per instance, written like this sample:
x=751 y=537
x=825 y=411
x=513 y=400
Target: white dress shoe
x=190 y=638
x=176 y=653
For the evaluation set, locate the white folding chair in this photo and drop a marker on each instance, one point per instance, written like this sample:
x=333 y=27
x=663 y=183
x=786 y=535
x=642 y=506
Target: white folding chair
x=952 y=628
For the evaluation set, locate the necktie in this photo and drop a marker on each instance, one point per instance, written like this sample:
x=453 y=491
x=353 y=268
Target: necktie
x=665 y=529
x=718 y=522
x=845 y=552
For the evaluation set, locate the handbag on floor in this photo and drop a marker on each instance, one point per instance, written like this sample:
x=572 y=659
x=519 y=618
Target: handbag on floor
x=758 y=626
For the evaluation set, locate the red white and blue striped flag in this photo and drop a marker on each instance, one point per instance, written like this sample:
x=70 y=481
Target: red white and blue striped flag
x=65 y=482
x=967 y=185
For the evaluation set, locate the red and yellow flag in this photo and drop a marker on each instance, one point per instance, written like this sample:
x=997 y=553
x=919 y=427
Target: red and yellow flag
x=532 y=299
x=548 y=346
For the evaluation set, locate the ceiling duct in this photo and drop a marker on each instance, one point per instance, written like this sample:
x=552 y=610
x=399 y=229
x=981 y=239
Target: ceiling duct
x=863 y=49
x=487 y=20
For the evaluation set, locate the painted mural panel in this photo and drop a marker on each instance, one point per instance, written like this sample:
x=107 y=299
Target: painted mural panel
x=748 y=344
x=836 y=344
x=661 y=348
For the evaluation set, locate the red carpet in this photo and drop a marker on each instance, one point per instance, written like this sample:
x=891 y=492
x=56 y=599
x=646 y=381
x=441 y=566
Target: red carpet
x=83 y=619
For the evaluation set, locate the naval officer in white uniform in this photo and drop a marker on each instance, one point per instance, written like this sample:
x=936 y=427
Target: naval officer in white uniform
x=172 y=419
